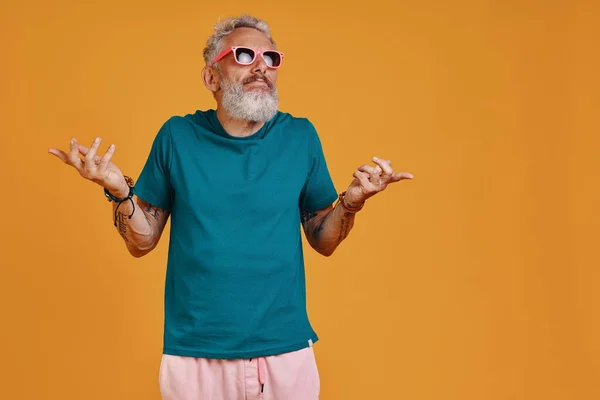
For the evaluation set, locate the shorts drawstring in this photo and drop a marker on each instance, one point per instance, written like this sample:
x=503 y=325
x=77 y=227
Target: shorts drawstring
x=261 y=373
x=262 y=377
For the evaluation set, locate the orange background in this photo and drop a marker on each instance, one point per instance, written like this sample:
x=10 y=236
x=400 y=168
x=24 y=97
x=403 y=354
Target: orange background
x=477 y=280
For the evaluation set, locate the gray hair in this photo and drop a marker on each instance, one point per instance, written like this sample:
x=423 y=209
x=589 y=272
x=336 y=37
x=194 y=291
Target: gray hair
x=214 y=45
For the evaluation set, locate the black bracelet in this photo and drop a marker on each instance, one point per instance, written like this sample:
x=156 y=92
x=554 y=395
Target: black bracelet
x=129 y=197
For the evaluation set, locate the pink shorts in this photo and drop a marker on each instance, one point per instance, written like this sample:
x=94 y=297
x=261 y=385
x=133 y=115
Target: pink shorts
x=288 y=376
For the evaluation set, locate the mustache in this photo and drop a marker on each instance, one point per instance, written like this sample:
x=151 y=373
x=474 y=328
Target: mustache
x=256 y=77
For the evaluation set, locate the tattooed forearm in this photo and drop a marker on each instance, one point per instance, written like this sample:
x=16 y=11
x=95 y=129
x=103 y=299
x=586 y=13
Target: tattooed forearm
x=345 y=226
x=343 y=230
x=142 y=231
x=306 y=216
x=152 y=211
x=319 y=227
x=328 y=228
x=122 y=225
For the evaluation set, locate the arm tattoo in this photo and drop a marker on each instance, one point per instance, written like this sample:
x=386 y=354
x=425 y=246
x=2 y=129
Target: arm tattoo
x=343 y=224
x=153 y=211
x=122 y=225
x=345 y=227
x=319 y=227
x=317 y=230
x=307 y=216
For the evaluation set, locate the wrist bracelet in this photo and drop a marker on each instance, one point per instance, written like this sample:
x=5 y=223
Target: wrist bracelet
x=119 y=201
x=346 y=207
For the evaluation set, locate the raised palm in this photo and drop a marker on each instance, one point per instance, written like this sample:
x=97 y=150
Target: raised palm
x=98 y=169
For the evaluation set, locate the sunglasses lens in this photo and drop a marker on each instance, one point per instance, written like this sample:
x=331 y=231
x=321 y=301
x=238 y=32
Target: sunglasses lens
x=272 y=58
x=244 y=56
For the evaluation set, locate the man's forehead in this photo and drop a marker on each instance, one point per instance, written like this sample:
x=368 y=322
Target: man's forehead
x=248 y=37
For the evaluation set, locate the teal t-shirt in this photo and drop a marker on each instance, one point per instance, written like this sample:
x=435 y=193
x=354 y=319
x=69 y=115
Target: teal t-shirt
x=235 y=282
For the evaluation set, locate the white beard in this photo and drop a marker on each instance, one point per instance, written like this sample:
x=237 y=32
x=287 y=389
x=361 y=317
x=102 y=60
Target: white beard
x=252 y=106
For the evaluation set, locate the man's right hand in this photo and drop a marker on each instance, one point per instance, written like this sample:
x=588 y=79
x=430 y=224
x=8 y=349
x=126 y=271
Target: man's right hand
x=96 y=168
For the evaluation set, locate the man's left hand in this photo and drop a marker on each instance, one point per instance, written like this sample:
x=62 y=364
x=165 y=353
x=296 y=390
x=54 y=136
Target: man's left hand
x=370 y=180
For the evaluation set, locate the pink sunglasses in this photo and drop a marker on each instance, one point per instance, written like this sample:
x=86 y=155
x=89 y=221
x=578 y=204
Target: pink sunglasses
x=247 y=55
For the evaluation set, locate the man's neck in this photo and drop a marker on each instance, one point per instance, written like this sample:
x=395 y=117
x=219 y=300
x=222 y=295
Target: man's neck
x=237 y=127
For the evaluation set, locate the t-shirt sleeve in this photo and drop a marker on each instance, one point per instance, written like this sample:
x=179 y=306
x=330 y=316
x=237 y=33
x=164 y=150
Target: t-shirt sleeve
x=154 y=183
x=319 y=190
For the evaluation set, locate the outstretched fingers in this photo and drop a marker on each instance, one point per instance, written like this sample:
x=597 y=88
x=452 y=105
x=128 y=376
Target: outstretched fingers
x=105 y=160
x=398 y=176
x=60 y=154
x=74 y=159
x=90 y=157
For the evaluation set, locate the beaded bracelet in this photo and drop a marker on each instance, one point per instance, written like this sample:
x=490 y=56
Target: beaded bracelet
x=353 y=210
x=129 y=197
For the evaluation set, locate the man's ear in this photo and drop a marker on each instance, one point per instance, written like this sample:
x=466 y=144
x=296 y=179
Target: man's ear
x=211 y=79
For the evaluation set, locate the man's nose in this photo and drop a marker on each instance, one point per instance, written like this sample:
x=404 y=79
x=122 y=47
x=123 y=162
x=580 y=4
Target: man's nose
x=260 y=65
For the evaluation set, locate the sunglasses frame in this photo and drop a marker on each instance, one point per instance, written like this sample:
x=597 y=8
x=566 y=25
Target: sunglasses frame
x=257 y=52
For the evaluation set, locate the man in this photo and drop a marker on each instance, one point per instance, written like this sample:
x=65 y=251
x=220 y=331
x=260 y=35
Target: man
x=236 y=181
